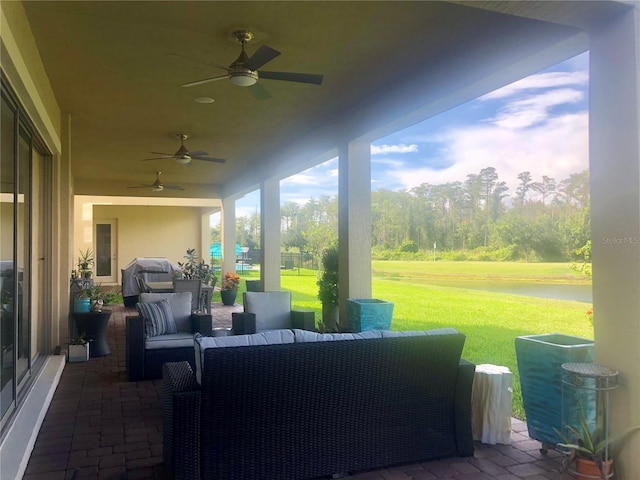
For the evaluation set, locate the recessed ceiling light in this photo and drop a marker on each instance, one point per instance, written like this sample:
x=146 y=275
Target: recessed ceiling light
x=204 y=100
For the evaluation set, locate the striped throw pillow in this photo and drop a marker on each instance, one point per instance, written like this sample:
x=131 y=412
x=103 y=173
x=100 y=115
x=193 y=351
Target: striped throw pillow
x=158 y=319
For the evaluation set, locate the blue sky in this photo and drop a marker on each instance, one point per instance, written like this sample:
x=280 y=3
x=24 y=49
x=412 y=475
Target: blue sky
x=538 y=124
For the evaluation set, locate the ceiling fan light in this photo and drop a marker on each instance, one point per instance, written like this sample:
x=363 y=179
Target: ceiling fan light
x=243 y=79
x=157 y=188
x=183 y=159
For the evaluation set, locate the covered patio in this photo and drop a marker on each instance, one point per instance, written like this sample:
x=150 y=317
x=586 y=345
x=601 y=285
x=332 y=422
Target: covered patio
x=90 y=88
x=101 y=426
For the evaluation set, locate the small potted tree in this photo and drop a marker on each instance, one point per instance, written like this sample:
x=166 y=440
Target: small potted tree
x=590 y=450
x=85 y=263
x=328 y=289
x=194 y=269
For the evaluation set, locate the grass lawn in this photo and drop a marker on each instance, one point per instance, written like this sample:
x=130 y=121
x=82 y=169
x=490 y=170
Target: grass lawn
x=490 y=321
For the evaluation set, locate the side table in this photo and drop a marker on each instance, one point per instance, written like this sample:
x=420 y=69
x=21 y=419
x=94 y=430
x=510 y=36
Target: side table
x=491 y=404
x=94 y=327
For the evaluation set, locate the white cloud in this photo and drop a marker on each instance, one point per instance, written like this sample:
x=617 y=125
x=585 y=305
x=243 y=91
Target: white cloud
x=531 y=125
x=556 y=148
x=400 y=148
x=299 y=179
x=531 y=110
x=539 y=81
x=390 y=162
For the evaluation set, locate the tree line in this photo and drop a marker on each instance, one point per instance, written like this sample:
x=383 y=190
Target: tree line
x=478 y=218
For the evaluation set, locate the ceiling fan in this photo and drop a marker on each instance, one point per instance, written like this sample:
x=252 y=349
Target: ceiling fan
x=183 y=155
x=158 y=186
x=244 y=72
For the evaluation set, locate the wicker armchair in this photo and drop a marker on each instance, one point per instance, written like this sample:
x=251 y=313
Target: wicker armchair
x=270 y=311
x=145 y=356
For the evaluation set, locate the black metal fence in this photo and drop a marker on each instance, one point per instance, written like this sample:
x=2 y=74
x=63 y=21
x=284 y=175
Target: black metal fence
x=290 y=262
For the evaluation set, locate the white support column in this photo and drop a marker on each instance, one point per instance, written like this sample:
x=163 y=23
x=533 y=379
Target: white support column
x=615 y=218
x=354 y=224
x=228 y=234
x=270 y=235
x=205 y=237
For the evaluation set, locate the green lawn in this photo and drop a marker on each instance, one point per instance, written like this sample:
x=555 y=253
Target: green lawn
x=490 y=321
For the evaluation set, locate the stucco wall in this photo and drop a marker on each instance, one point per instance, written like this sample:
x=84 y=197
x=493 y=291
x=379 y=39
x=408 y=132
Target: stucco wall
x=147 y=231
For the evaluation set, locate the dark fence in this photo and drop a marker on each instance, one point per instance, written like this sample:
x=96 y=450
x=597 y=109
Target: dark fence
x=290 y=262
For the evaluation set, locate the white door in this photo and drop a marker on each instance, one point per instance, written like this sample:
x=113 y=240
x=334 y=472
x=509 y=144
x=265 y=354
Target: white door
x=105 y=250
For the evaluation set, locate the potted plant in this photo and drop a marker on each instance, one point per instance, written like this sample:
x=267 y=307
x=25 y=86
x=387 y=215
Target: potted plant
x=78 y=349
x=328 y=289
x=85 y=263
x=229 y=288
x=96 y=298
x=194 y=268
x=590 y=449
x=82 y=302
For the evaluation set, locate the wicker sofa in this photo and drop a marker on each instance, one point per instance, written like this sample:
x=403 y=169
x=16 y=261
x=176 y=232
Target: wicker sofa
x=313 y=408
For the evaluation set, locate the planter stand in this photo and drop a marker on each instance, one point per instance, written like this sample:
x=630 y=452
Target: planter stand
x=600 y=381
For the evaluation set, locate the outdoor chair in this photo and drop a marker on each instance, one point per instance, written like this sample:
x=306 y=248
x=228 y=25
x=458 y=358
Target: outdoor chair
x=162 y=333
x=190 y=285
x=142 y=285
x=270 y=311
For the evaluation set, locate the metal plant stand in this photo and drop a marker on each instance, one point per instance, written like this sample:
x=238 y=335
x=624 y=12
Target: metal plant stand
x=599 y=380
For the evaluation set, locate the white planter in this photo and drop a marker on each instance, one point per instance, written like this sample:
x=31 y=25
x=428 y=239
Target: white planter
x=78 y=353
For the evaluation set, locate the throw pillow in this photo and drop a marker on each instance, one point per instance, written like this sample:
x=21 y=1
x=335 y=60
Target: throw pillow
x=158 y=319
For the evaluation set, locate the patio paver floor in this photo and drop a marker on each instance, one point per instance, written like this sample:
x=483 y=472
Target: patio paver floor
x=101 y=426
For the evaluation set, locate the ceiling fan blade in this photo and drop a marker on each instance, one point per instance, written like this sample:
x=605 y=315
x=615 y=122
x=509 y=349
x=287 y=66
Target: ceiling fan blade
x=141 y=186
x=263 y=55
x=172 y=187
x=204 y=80
x=208 y=159
x=259 y=92
x=198 y=153
x=198 y=61
x=292 y=77
x=158 y=158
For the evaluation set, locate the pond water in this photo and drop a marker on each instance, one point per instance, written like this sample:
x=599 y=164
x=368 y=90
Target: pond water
x=578 y=293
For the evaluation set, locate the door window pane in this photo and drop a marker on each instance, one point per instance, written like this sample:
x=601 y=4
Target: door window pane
x=103 y=250
x=23 y=253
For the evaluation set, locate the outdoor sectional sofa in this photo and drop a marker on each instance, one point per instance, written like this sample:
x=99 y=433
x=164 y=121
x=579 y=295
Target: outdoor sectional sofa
x=287 y=404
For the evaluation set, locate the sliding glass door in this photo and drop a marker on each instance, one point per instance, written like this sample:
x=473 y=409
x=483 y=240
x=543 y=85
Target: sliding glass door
x=21 y=340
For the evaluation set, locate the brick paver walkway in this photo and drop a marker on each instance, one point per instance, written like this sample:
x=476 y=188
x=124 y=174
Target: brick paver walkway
x=101 y=426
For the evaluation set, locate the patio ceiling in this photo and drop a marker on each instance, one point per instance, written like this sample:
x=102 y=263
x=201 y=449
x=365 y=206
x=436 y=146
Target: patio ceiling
x=385 y=65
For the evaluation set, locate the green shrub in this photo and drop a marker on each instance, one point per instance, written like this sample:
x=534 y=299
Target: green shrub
x=408 y=246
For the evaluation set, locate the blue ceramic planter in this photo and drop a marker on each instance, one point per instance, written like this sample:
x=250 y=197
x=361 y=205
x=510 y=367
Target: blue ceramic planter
x=540 y=359
x=81 y=305
x=369 y=314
